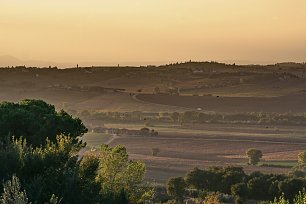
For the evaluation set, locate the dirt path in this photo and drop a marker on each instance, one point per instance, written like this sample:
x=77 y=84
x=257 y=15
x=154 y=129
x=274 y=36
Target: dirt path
x=111 y=139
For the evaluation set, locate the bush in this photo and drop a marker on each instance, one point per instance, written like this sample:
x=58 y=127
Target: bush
x=254 y=156
x=155 y=151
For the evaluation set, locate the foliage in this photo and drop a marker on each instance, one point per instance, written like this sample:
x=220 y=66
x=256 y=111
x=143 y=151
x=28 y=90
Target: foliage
x=48 y=170
x=35 y=120
x=118 y=173
x=254 y=156
x=145 y=131
x=155 y=151
x=239 y=190
x=213 y=198
x=302 y=158
x=232 y=180
x=53 y=172
x=291 y=187
x=300 y=198
x=198 y=179
x=12 y=193
x=280 y=200
x=215 y=178
x=176 y=188
x=175 y=116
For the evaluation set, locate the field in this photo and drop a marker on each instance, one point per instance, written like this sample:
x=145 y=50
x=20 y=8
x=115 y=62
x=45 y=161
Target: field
x=280 y=104
x=96 y=139
x=183 y=149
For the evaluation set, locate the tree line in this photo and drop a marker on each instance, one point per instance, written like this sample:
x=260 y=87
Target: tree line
x=195 y=117
x=235 y=182
x=40 y=161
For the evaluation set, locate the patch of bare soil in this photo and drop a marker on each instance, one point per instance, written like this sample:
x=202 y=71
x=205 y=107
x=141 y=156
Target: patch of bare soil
x=282 y=104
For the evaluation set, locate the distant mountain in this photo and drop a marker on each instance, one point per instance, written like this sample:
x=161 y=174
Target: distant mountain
x=7 y=60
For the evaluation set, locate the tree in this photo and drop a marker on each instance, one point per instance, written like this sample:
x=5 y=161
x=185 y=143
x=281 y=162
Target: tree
x=263 y=186
x=175 y=116
x=176 y=188
x=35 y=120
x=12 y=193
x=300 y=198
x=213 y=198
x=231 y=176
x=145 y=131
x=155 y=151
x=239 y=190
x=280 y=200
x=254 y=156
x=117 y=172
x=51 y=169
x=302 y=158
x=198 y=179
x=157 y=90
x=291 y=187
x=54 y=167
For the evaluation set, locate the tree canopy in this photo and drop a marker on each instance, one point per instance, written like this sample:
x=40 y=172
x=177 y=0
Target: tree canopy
x=40 y=163
x=35 y=120
x=254 y=156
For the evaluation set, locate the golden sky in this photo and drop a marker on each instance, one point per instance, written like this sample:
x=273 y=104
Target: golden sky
x=153 y=31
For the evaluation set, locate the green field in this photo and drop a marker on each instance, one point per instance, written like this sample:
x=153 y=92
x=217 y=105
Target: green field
x=283 y=164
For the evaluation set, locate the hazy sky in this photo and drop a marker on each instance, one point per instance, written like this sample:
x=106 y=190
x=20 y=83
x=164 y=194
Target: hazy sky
x=122 y=31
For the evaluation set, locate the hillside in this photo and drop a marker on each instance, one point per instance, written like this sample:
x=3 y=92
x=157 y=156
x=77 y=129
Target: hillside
x=214 y=87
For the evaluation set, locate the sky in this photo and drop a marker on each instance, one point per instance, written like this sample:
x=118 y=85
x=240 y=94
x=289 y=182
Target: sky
x=153 y=31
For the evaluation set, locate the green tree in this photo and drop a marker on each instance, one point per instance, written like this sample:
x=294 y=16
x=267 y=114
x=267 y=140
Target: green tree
x=254 y=156
x=118 y=172
x=300 y=198
x=213 y=198
x=291 y=187
x=302 y=158
x=239 y=190
x=54 y=166
x=198 y=179
x=51 y=169
x=176 y=188
x=280 y=200
x=231 y=176
x=35 y=120
x=12 y=193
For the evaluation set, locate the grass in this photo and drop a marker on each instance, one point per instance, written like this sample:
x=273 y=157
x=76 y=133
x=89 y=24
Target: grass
x=279 y=164
x=95 y=139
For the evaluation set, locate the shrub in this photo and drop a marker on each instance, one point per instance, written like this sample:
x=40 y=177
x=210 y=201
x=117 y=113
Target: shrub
x=155 y=151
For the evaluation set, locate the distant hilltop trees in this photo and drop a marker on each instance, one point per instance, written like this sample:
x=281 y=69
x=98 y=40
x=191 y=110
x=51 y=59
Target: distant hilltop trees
x=186 y=64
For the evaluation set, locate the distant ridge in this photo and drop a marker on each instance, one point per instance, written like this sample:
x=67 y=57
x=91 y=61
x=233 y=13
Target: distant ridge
x=9 y=61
